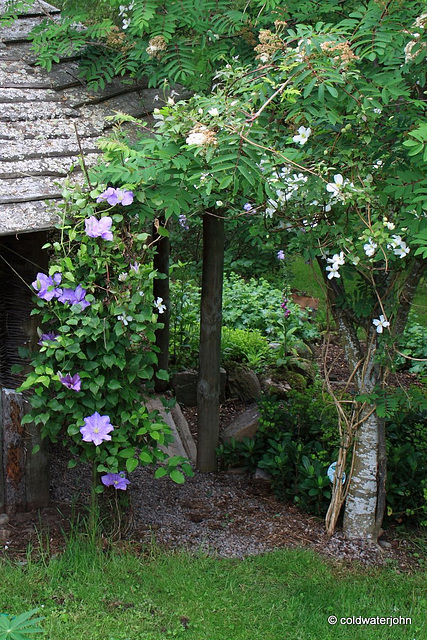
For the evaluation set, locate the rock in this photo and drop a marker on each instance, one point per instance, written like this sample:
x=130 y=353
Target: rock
x=21 y=518
x=5 y=534
x=244 y=426
x=262 y=474
x=303 y=367
x=242 y=383
x=275 y=387
x=184 y=384
x=295 y=380
x=4 y=520
x=384 y=544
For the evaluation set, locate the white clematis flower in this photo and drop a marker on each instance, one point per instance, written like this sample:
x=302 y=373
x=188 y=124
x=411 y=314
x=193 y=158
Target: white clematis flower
x=302 y=136
x=381 y=323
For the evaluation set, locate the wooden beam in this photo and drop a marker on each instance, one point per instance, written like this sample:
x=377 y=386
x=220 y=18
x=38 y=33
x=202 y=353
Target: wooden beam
x=12 y=405
x=208 y=388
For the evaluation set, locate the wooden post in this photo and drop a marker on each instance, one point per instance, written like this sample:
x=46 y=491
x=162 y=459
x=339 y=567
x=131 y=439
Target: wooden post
x=25 y=476
x=13 y=451
x=36 y=469
x=208 y=387
x=161 y=290
x=2 y=505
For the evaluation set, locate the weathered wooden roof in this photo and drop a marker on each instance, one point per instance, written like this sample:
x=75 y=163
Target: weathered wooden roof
x=45 y=118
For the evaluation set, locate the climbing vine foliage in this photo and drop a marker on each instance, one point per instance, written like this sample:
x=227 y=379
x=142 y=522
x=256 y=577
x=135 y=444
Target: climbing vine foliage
x=93 y=370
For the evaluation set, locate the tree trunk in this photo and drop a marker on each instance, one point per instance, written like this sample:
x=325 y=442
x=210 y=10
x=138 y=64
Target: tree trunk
x=208 y=387
x=161 y=290
x=361 y=505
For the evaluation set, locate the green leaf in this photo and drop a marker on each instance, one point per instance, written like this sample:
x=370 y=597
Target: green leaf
x=131 y=464
x=162 y=374
x=114 y=385
x=127 y=453
x=109 y=359
x=160 y=472
x=246 y=174
x=177 y=476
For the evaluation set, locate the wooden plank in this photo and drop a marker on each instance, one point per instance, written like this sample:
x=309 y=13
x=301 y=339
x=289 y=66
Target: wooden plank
x=79 y=96
x=13 y=451
x=56 y=167
x=48 y=148
x=17 y=51
x=21 y=28
x=26 y=476
x=33 y=8
x=19 y=75
x=25 y=96
x=135 y=103
x=59 y=128
x=25 y=217
x=30 y=111
x=184 y=433
x=1 y=460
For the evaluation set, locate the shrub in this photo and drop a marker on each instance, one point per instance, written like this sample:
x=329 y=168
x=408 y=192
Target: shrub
x=413 y=344
x=247 y=346
x=295 y=443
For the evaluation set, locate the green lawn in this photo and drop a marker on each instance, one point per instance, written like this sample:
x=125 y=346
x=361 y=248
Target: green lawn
x=283 y=595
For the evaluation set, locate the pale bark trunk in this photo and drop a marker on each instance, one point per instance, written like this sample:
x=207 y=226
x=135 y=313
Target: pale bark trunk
x=361 y=504
x=366 y=497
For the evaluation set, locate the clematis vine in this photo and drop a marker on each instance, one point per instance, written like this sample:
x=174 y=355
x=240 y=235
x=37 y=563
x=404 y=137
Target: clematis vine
x=46 y=286
x=337 y=261
x=399 y=246
x=161 y=308
x=182 y=219
x=116 y=480
x=71 y=382
x=116 y=196
x=50 y=336
x=96 y=428
x=370 y=247
x=381 y=323
x=74 y=297
x=336 y=186
x=99 y=228
x=302 y=136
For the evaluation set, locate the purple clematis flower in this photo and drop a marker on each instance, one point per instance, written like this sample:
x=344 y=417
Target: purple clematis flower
x=182 y=219
x=96 y=428
x=71 y=382
x=109 y=195
x=116 y=480
x=79 y=295
x=247 y=207
x=281 y=255
x=74 y=296
x=124 y=197
x=99 y=228
x=46 y=286
x=50 y=336
x=135 y=266
x=116 y=196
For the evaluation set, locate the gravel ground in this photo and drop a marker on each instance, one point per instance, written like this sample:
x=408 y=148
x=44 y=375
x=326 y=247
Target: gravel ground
x=226 y=514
